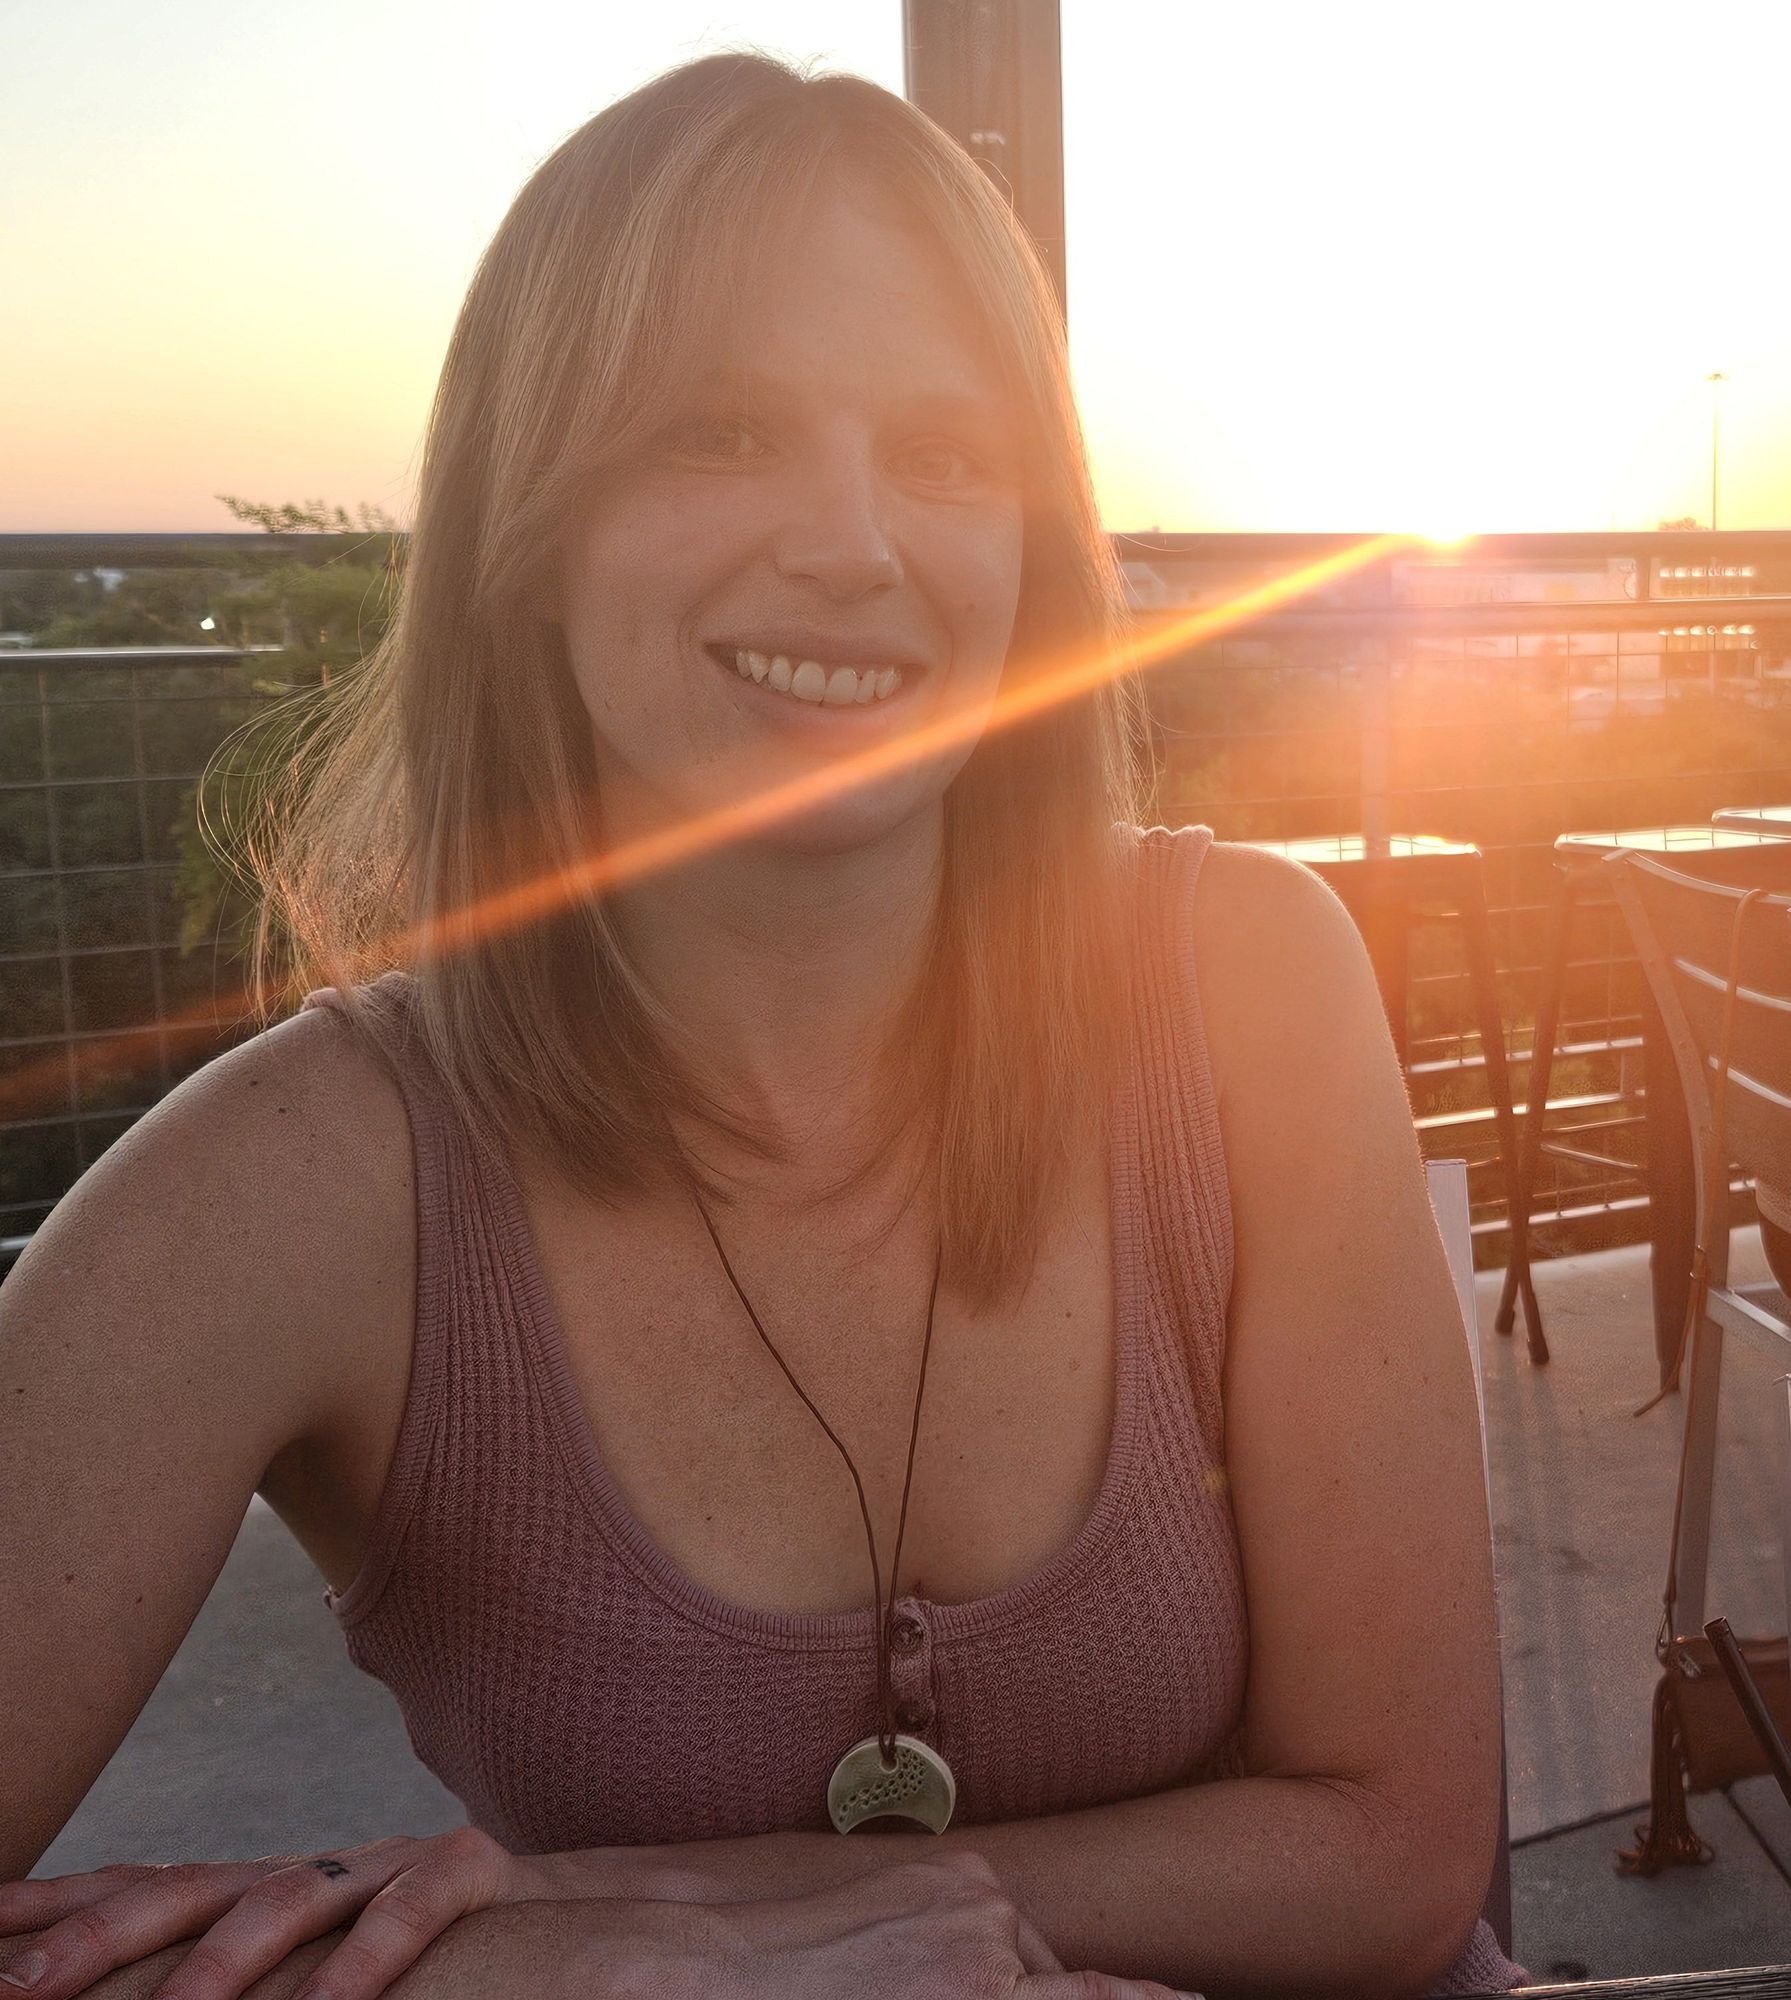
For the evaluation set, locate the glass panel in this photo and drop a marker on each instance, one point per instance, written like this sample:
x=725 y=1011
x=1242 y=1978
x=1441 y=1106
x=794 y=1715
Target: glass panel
x=34 y=1079
x=212 y=678
x=170 y=805
x=112 y=990
x=191 y=986
x=165 y=906
x=28 y=913
x=21 y=742
x=24 y=830
x=30 y=997
x=97 y=823
x=75 y=683
x=91 y=739
x=178 y=736
x=37 y=1163
x=108 y=909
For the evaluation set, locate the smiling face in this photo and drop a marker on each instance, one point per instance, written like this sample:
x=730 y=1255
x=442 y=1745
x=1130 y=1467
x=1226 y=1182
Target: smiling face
x=822 y=550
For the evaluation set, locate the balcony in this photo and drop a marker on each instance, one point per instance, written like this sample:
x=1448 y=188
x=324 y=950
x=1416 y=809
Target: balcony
x=1503 y=693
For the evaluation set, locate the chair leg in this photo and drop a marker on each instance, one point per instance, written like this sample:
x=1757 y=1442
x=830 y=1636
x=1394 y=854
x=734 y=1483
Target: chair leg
x=1672 y=1187
x=1477 y=937
x=1551 y=976
x=1700 y=1472
x=1785 y=1495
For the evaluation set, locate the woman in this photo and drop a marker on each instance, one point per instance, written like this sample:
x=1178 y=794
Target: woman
x=882 y=1092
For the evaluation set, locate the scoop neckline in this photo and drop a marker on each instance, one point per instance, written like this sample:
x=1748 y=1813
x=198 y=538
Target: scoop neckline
x=810 y=1630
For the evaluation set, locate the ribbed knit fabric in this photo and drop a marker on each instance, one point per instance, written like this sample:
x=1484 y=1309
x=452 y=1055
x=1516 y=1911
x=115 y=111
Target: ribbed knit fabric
x=575 y=1689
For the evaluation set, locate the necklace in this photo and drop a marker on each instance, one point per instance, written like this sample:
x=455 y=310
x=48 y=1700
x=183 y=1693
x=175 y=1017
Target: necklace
x=887 y=1773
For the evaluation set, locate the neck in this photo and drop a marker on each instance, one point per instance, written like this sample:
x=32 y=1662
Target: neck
x=783 y=971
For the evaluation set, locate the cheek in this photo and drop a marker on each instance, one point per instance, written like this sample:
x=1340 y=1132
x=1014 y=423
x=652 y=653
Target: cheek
x=986 y=576
x=636 y=579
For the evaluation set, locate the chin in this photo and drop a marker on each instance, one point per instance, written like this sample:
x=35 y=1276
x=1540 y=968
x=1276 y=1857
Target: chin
x=846 y=826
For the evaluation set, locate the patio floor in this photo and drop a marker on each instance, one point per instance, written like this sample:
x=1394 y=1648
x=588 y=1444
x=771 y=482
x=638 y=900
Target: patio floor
x=262 y=1738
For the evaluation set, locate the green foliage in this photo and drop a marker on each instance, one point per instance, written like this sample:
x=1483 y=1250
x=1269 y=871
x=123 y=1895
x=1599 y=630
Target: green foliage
x=322 y=620
x=32 y=600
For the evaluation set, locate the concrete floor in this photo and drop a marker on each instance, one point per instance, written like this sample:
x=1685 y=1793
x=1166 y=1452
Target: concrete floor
x=1582 y=1509
x=262 y=1739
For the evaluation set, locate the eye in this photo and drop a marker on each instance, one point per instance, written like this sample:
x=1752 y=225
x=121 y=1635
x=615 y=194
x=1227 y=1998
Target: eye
x=713 y=437
x=938 y=461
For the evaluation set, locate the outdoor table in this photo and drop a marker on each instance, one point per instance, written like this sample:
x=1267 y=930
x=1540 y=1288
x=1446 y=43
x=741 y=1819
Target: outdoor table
x=1750 y=1982
x=1771 y=820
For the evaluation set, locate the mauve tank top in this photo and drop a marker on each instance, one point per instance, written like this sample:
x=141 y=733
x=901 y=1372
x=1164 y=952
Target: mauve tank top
x=575 y=1689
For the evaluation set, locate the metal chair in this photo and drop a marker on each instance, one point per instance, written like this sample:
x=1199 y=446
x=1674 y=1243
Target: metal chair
x=1449 y=1201
x=1734 y=1066
x=1389 y=885
x=1579 y=884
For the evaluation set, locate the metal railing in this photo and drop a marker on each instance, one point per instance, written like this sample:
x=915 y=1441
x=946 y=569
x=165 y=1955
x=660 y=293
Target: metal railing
x=1524 y=687
x=1470 y=696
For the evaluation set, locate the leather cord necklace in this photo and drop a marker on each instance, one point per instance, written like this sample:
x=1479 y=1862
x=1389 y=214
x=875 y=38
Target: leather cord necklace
x=888 y=1773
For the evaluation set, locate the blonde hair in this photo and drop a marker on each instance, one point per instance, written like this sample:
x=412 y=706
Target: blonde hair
x=457 y=762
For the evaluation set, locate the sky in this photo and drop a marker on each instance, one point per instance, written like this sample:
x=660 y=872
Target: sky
x=1436 y=267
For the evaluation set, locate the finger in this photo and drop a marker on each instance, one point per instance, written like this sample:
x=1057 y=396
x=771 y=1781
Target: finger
x=155 y=1907
x=1035 y=1954
x=286 y=1908
x=35 y=1905
x=398 y=1926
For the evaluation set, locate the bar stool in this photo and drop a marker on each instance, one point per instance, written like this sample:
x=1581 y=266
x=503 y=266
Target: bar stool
x=1665 y=1169
x=1419 y=876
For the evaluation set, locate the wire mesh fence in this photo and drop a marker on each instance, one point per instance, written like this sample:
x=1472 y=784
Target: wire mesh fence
x=1505 y=695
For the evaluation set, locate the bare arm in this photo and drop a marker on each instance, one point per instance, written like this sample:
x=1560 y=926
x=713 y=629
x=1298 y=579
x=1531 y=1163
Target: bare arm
x=548 y=1951
x=162 y=1341
x=1353 y=1856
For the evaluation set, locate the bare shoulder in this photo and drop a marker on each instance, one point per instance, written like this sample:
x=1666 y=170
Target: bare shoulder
x=1280 y=965
x=275 y=1183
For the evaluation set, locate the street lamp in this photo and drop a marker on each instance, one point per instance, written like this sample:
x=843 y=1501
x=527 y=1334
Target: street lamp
x=1716 y=389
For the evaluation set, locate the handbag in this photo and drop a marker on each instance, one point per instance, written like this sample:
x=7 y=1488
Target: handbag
x=1700 y=1736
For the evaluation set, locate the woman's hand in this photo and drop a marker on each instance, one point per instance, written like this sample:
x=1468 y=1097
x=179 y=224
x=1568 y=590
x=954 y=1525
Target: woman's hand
x=396 y=1896
x=930 y=1929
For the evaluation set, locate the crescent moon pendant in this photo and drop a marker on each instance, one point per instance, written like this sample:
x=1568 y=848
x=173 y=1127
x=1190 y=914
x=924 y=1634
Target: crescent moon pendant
x=920 y=1786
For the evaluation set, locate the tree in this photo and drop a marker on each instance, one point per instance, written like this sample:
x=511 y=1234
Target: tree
x=324 y=619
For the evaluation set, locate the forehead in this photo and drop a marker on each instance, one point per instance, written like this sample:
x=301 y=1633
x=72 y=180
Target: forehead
x=852 y=295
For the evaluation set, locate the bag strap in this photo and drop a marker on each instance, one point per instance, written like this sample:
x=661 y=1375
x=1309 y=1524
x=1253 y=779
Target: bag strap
x=1713 y=1215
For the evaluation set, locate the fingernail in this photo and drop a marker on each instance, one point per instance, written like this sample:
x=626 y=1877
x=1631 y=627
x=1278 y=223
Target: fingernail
x=26 y=1970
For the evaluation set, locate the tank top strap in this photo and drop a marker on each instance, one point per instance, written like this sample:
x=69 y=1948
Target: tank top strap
x=449 y=1191
x=1181 y=1181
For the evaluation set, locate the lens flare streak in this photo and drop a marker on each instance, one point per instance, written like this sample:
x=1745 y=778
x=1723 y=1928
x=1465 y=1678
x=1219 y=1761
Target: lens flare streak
x=41 y=1089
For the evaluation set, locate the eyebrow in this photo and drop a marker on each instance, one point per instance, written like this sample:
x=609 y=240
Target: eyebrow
x=943 y=406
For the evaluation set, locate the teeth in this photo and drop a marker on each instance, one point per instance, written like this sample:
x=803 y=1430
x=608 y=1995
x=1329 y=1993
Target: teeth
x=809 y=681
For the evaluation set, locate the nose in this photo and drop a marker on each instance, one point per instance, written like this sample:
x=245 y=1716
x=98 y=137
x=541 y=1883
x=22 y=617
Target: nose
x=834 y=531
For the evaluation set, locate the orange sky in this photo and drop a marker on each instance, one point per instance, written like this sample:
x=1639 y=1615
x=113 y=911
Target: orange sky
x=1399 y=266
